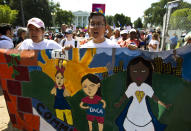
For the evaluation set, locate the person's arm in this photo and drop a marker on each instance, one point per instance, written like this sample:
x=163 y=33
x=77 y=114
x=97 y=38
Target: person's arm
x=160 y=102
x=53 y=91
x=121 y=101
x=110 y=32
x=153 y=46
x=66 y=93
x=82 y=106
x=132 y=47
x=104 y=103
x=18 y=45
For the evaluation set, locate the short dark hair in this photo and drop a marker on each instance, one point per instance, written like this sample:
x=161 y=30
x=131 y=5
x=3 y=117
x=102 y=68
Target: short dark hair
x=92 y=14
x=91 y=77
x=94 y=79
x=4 y=27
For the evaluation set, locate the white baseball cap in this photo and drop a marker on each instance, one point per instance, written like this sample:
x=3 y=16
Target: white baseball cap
x=36 y=22
x=187 y=37
x=123 y=32
x=132 y=30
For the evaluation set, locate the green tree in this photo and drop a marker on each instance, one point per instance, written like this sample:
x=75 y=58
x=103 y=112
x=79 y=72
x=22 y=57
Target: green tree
x=138 y=23
x=110 y=20
x=63 y=16
x=154 y=15
x=180 y=19
x=7 y=15
x=32 y=8
x=121 y=20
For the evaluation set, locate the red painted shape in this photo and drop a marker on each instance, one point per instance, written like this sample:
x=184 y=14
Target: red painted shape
x=5 y=71
x=24 y=104
x=23 y=73
x=14 y=87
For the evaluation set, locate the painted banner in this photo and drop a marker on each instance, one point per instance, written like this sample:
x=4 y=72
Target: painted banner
x=98 y=89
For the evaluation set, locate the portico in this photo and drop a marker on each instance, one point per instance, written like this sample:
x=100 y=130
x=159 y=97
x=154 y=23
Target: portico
x=80 y=18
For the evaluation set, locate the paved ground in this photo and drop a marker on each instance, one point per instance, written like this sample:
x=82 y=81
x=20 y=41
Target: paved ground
x=5 y=124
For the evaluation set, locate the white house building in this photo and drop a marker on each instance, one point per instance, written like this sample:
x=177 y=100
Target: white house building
x=81 y=18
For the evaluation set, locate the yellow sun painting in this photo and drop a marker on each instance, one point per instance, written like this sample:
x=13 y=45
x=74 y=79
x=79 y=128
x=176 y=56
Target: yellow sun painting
x=75 y=69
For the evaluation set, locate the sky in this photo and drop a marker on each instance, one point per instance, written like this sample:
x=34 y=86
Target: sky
x=130 y=8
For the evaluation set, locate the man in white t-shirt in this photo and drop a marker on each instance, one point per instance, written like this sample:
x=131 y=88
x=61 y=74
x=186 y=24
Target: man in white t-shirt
x=69 y=41
x=97 y=28
x=36 y=30
x=6 y=36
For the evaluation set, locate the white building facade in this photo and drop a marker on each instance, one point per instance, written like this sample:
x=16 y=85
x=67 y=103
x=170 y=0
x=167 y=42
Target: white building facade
x=80 y=18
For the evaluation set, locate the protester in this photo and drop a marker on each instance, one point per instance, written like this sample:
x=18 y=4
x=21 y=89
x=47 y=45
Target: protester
x=69 y=41
x=124 y=35
x=142 y=40
x=116 y=35
x=154 y=43
x=6 y=36
x=36 y=30
x=148 y=37
x=187 y=39
x=21 y=36
x=132 y=43
x=58 y=38
x=63 y=28
x=173 y=41
x=97 y=28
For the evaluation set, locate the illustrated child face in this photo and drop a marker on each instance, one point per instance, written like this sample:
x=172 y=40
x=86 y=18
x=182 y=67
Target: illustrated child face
x=139 y=73
x=90 y=88
x=59 y=79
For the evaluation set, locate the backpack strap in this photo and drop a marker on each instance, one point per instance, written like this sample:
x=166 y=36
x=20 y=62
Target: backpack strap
x=2 y=38
x=63 y=43
x=76 y=43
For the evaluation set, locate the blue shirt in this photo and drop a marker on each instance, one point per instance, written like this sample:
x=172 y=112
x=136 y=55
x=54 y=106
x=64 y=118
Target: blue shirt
x=173 y=40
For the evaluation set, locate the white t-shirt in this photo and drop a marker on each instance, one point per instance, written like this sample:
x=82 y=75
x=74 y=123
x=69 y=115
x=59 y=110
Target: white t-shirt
x=114 y=39
x=71 y=42
x=138 y=112
x=106 y=44
x=45 y=44
x=154 y=42
x=7 y=43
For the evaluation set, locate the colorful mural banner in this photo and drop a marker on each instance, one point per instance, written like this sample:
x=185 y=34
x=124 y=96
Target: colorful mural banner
x=98 y=89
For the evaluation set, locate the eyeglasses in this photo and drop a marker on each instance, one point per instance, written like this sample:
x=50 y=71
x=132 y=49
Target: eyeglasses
x=96 y=24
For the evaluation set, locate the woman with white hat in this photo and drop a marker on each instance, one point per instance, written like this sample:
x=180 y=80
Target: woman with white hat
x=36 y=30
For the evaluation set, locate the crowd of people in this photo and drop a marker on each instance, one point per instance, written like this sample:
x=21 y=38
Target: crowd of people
x=97 y=35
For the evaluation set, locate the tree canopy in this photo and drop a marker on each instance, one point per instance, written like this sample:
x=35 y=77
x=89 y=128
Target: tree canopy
x=138 y=23
x=63 y=16
x=154 y=15
x=122 y=20
x=7 y=15
x=46 y=10
x=180 y=19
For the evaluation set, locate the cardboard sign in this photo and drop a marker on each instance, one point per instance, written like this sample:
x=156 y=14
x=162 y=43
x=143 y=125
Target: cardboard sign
x=100 y=8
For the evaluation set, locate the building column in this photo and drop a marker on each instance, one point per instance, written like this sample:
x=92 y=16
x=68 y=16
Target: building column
x=77 y=22
x=82 y=21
